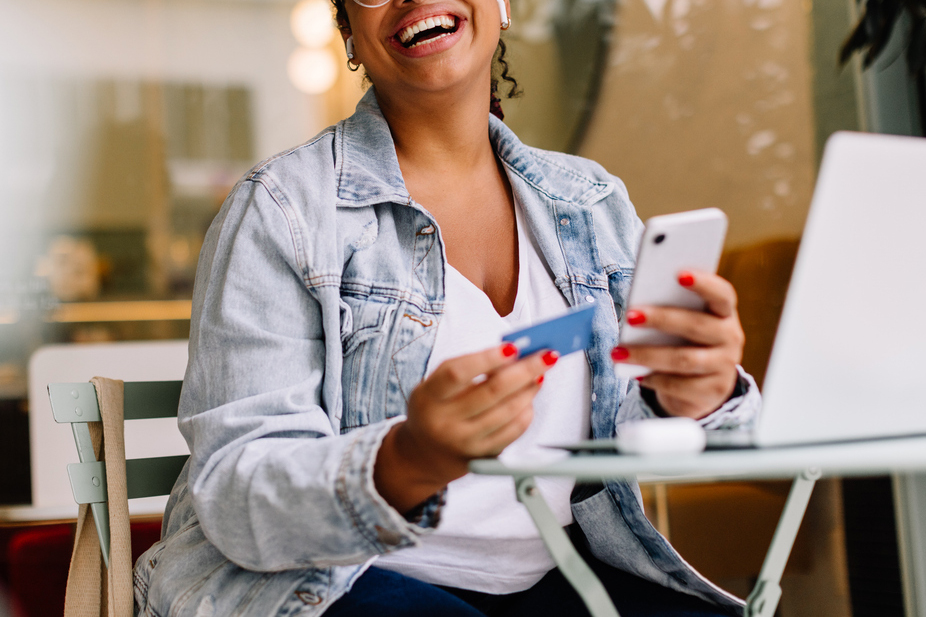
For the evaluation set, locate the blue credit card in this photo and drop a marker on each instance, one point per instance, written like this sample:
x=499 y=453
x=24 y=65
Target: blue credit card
x=565 y=334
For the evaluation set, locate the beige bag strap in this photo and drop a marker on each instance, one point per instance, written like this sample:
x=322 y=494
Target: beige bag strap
x=93 y=591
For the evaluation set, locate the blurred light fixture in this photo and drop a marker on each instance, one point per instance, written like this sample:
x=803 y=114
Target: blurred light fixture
x=312 y=23
x=312 y=71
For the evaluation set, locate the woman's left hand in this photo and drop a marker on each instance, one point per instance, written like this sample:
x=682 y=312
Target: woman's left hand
x=696 y=379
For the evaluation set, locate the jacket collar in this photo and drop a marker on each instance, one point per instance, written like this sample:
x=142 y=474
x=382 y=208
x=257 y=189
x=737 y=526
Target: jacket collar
x=368 y=170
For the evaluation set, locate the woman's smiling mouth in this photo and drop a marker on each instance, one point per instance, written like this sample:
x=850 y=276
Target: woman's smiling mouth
x=427 y=30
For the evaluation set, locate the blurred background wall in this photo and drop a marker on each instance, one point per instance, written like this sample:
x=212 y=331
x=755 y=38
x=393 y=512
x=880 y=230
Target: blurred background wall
x=123 y=124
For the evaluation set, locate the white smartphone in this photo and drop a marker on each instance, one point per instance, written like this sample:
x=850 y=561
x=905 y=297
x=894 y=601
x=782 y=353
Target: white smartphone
x=671 y=244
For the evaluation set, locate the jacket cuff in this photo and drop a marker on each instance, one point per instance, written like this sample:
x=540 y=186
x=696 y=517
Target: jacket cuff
x=377 y=521
x=738 y=412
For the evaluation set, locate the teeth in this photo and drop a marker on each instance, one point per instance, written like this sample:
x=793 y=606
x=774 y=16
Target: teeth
x=444 y=21
x=431 y=40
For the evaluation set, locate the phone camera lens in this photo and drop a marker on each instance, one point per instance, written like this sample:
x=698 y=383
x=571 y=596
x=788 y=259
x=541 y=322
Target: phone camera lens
x=658 y=239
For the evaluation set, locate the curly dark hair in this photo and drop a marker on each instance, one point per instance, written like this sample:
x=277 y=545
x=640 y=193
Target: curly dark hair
x=500 y=68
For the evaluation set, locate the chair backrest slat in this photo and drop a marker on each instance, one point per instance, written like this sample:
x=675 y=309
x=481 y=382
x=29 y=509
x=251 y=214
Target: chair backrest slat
x=149 y=477
x=151 y=399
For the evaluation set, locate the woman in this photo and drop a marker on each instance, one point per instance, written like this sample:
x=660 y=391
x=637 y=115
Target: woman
x=345 y=362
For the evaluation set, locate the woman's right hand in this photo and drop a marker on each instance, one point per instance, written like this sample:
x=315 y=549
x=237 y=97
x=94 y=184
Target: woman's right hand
x=455 y=416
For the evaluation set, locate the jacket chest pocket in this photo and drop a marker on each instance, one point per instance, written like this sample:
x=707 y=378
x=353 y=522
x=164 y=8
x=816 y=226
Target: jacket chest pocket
x=365 y=324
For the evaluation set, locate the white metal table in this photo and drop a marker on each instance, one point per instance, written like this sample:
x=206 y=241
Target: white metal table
x=806 y=464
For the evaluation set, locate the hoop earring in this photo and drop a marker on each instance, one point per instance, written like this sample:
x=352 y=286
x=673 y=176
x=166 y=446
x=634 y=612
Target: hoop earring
x=506 y=22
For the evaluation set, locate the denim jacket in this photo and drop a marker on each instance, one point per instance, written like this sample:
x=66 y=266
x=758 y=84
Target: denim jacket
x=318 y=294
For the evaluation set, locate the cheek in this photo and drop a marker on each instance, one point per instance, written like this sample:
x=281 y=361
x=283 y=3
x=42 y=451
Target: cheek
x=491 y=13
x=363 y=22
x=488 y=29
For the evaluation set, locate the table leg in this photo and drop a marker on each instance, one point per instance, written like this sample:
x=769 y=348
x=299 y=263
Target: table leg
x=564 y=554
x=763 y=600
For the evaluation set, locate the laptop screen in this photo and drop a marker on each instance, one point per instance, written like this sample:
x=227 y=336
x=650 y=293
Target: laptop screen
x=849 y=359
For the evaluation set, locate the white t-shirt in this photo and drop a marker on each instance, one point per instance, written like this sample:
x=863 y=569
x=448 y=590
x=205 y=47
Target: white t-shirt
x=486 y=540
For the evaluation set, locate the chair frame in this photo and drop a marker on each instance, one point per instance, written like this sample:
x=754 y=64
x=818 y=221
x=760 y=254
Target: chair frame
x=76 y=404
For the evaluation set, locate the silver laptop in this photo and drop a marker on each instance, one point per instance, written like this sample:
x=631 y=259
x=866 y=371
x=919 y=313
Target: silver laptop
x=849 y=359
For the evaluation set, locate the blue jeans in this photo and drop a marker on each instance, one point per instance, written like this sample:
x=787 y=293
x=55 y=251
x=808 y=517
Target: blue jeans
x=388 y=594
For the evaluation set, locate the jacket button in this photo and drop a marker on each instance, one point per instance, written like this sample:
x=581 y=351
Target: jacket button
x=589 y=299
x=564 y=221
x=309 y=598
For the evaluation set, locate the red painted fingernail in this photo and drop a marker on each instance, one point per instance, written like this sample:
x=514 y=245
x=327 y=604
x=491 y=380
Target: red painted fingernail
x=509 y=349
x=550 y=358
x=685 y=279
x=540 y=380
x=636 y=318
x=619 y=353
x=640 y=377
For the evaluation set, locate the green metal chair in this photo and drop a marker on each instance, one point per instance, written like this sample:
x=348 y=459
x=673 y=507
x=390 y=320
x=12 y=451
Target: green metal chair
x=76 y=404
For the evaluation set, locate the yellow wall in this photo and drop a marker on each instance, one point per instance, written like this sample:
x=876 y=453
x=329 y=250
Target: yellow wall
x=709 y=103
